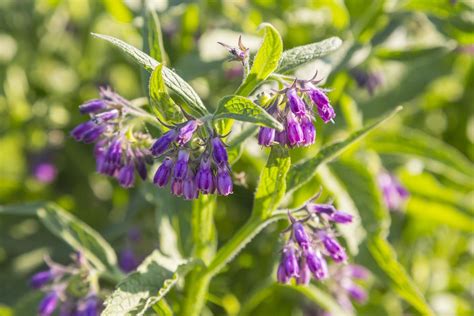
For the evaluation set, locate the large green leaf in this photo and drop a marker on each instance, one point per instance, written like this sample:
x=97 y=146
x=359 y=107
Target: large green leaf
x=303 y=171
x=148 y=285
x=272 y=184
x=68 y=228
x=172 y=80
x=155 y=37
x=437 y=155
x=161 y=102
x=266 y=60
x=362 y=187
x=242 y=109
x=301 y=55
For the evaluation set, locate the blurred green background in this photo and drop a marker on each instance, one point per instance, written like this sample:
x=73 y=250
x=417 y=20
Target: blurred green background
x=421 y=52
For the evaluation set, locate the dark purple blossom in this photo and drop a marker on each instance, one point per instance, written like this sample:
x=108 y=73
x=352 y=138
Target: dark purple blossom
x=334 y=249
x=341 y=217
x=126 y=176
x=186 y=132
x=181 y=166
x=48 y=304
x=128 y=262
x=320 y=99
x=294 y=131
x=41 y=278
x=316 y=264
x=266 y=136
x=92 y=106
x=224 y=181
x=205 y=177
x=163 y=143
x=219 y=152
x=309 y=131
x=290 y=262
x=282 y=277
x=297 y=105
x=300 y=235
x=163 y=173
x=190 y=190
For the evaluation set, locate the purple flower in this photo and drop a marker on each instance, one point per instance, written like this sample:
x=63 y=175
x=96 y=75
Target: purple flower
x=186 y=132
x=341 y=217
x=309 y=132
x=327 y=209
x=297 y=105
x=89 y=307
x=224 y=181
x=92 y=106
x=294 y=131
x=93 y=134
x=290 y=262
x=126 y=176
x=219 y=152
x=281 y=137
x=316 y=264
x=266 y=136
x=205 y=177
x=177 y=186
x=106 y=116
x=190 y=190
x=114 y=152
x=181 y=166
x=127 y=260
x=300 y=235
x=319 y=98
x=282 y=277
x=305 y=273
x=82 y=129
x=163 y=173
x=41 y=278
x=356 y=292
x=394 y=193
x=48 y=304
x=45 y=172
x=163 y=143
x=334 y=249
x=140 y=165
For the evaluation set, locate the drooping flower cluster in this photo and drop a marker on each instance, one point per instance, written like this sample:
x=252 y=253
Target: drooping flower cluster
x=119 y=150
x=345 y=287
x=394 y=194
x=190 y=169
x=311 y=240
x=67 y=288
x=297 y=110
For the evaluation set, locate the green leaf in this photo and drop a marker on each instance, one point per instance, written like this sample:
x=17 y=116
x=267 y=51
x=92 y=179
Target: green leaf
x=272 y=184
x=148 y=285
x=362 y=187
x=303 y=171
x=301 y=55
x=155 y=37
x=242 y=109
x=68 y=228
x=236 y=144
x=320 y=298
x=437 y=155
x=172 y=80
x=161 y=102
x=408 y=54
x=266 y=60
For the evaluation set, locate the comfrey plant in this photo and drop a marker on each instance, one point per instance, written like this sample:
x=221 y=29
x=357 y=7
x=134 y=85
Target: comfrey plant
x=182 y=145
x=72 y=290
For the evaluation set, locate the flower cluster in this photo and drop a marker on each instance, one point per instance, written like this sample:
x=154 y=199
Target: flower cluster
x=310 y=241
x=394 y=194
x=119 y=150
x=68 y=288
x=297 y=110
x=344 y=286
x=192 y=169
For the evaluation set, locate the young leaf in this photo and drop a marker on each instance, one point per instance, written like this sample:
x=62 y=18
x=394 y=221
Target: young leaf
x=155 y=38
x=437 y=155
x=303 y=171
x=266 y=60
x=172 y=80
x=364 y=191
x=272 y=184
x=301 y=55
x=65 y=226
x=148 y=285
x=162 y=104
x=242 y=109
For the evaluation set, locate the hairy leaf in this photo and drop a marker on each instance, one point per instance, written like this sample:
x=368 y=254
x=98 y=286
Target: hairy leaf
x=266 y=60
x=303 y=171
x=272 y=184
x=148 y=285
x=172 y=80
x=161 y=102
x=301 y=55
x=242 y=109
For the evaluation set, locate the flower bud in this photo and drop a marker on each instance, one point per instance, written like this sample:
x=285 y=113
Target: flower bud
x=297 y=105
x=127 y=260
x=305 y=273
x=82 y=129
x=282 y=277
x=186 y=132
x=316 y=264
x=341 y=217
x=219 y=152
x=181 y=166
x=293 y=130
x=126 y=176
x=309 y=131
x=48 y=304
x=93 y=134
x=41 y=278
x=334 y=249
x=106 y=116
x=163 y=173
x=266 y=136
x=281 y=137
x=290 y=262
x=327 y=209
x=190 y=190
x=89 y=307
x=114 y=152
x=92 y=106
x=205 y=177
x=224 y=181
x=163 y=143
x=300 y=235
